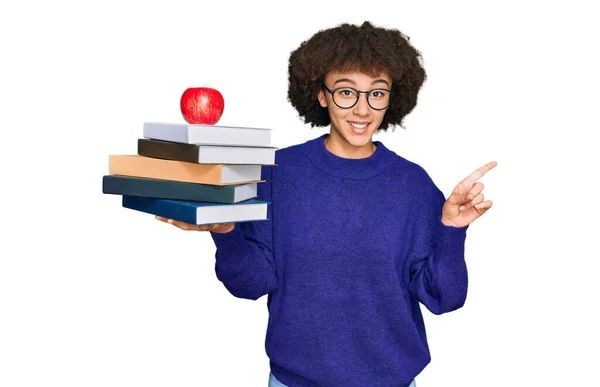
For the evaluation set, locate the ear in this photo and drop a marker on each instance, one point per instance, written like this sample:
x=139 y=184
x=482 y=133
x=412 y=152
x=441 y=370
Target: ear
x=322 y=99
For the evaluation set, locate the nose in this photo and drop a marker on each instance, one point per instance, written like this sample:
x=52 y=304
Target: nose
x=362 y=107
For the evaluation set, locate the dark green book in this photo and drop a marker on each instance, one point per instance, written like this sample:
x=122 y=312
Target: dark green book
x=177 y=190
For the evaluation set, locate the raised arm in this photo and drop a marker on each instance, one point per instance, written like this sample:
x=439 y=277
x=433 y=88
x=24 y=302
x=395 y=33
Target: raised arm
x=438 y=272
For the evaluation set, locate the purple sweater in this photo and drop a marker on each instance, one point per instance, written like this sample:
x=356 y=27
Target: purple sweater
x=351 y=249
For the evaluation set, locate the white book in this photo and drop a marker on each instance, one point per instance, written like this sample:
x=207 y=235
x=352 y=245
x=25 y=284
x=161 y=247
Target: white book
x=208 y=134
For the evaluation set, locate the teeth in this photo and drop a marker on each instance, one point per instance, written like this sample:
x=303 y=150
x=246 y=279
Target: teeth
x=357 y=126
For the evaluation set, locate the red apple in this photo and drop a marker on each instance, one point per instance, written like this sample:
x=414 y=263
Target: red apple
x=202 y=105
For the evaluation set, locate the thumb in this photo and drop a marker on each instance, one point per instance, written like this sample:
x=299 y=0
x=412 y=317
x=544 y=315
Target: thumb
x=460 y=195
x=456 y=199
x=224 y=227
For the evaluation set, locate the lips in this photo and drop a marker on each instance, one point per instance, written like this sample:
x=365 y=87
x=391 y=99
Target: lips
x=359 y=127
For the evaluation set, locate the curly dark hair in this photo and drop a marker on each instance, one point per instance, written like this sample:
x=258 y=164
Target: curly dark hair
x=348 y=48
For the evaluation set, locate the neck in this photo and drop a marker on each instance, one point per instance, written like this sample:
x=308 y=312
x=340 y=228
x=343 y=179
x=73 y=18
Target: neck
x=342 y=148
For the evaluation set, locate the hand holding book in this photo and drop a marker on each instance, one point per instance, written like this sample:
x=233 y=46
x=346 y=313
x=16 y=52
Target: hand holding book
x=190 y=180
x=218 y=228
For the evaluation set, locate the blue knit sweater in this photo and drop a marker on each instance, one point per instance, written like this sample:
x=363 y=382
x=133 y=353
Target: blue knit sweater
x=351 y=249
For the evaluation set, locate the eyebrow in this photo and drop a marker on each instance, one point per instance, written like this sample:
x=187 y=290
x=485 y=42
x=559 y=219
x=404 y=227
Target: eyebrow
x=354 y=83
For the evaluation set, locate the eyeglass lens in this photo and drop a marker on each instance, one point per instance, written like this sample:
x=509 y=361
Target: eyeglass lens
x=347 y=97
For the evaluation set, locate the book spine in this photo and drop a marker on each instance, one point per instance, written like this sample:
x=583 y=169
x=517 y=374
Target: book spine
x=168 y=150
x=122 y=185
x=149 y=167
x=161 y=207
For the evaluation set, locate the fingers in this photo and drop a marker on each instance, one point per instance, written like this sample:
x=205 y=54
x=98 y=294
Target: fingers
x=469 y=186
x=176 y=223
x=220 y=228
x=474 y=191
x=482 y=207
x=472 y=203
x=469 y=196
x=463 y=194
x=473 y=177
x=183 y=225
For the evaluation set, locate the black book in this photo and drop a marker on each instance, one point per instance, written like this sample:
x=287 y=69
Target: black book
x=206 y=154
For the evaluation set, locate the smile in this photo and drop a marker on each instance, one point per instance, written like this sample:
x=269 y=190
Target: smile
x=358 y=126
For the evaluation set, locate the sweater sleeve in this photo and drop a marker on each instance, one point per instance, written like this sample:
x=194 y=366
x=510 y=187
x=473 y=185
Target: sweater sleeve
x=438 y=272
x=244 y=256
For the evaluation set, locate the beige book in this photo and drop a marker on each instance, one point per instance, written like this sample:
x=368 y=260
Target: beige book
x=155 y=168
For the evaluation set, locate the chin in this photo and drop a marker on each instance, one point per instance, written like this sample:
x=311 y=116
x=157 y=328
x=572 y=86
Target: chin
x=359 y=141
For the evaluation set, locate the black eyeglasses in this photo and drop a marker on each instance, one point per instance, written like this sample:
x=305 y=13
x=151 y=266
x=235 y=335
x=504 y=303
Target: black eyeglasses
x=347 y=97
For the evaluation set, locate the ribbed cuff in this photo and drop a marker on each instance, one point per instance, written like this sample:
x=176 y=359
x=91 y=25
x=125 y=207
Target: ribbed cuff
x=451 y=240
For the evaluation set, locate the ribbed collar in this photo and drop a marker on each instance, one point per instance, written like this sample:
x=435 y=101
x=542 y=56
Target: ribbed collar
x=342 y=167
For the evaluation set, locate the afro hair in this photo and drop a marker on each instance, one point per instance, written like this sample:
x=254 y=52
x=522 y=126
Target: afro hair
x=350 y=48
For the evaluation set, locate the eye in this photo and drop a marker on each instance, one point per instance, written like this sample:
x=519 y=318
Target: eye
x=378 y=93
x=347 y=93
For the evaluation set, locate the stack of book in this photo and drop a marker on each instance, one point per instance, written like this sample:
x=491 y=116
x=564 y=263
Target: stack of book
x=194 y=173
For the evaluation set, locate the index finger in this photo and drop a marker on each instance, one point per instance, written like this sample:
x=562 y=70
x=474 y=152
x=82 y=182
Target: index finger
x=473 y=177
x=213 y=227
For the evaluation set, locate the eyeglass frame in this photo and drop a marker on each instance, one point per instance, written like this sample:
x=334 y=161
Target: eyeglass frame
x=359 y=92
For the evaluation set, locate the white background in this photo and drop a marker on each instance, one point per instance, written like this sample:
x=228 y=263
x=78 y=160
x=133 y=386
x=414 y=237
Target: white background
x=92 y=294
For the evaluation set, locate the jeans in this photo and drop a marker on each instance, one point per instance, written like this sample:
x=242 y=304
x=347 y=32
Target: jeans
x=276 y=383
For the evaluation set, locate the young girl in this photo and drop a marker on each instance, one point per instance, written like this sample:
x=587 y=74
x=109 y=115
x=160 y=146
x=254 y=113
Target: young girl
x=358 y=236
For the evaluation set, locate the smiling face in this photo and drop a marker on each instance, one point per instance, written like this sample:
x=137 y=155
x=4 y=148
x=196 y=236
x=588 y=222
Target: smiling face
x=352 y=129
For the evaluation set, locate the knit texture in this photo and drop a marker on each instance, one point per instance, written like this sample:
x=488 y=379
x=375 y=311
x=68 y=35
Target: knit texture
x=351 y=250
